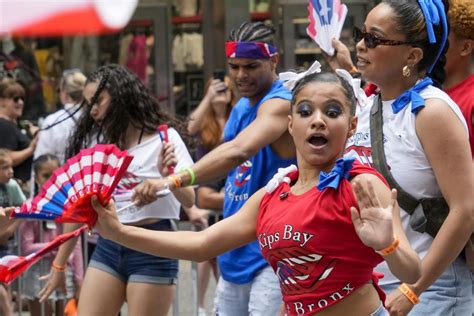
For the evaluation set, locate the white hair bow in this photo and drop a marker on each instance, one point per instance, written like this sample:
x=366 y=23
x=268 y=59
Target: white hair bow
x=290 y=78
x=355 y=84
x=279 y=178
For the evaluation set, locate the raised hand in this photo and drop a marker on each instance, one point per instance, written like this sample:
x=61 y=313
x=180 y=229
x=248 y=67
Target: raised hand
x=373 y=223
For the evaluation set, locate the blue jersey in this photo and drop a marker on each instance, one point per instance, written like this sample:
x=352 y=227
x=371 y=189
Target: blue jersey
x=242 y=264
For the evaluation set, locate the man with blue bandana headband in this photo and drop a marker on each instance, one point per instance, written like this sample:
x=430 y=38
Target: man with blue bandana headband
x=256 y=144
x=417 y=135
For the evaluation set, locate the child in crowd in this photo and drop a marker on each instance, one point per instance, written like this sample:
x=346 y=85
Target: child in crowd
x=10 y=195
x=34 y=236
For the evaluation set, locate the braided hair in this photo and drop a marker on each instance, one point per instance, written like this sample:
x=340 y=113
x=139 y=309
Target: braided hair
x=410 y=21
x=131 y=104
x=253 y=32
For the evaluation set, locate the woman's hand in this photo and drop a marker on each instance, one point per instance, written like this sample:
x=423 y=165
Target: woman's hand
x=145 y=193
x=108 y=223
x=373 y=223
x=397 y=304
x=217 y=86
x=167 y=158
x=55 y=280
x=341 y=58
x=197 y=216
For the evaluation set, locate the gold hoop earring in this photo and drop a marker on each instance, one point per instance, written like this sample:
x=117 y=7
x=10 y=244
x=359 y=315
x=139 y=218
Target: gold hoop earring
x=406 y=71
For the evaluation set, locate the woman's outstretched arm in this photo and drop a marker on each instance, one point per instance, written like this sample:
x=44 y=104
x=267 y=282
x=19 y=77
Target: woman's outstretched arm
x=225 y=235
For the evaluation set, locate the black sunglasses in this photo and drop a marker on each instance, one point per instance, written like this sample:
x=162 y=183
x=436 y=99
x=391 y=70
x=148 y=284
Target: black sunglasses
x=18 y=98
x=372 y=41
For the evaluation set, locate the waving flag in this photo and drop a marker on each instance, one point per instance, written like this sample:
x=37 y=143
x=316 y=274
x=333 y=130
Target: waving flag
x=12 y=267
x=64 y=17
x=326 y=18
x=65 y=197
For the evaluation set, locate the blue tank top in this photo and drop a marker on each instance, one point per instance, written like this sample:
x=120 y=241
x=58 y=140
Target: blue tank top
x=242 y=264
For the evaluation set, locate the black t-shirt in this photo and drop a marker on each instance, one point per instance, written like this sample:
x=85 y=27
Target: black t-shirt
x=12 y=138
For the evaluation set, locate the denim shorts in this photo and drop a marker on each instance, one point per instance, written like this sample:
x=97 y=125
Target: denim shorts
x=133 y=266
x=449 y=295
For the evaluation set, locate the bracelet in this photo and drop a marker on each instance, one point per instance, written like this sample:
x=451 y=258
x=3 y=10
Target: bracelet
x=58 y=268
x=176 y=180
x=192 y=175
x=408 y=292
x=388 y=250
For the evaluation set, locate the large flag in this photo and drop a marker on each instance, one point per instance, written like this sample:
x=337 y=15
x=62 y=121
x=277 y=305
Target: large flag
x=64 y=17
x=326 y=18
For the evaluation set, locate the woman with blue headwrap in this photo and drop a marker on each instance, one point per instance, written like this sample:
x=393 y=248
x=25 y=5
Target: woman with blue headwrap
x=422 y=138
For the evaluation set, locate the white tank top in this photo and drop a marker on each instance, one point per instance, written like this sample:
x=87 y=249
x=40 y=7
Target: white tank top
x=405 y=157
x=145 y=166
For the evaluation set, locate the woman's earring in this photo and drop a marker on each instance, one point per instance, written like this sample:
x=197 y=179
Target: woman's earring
x=406 y=71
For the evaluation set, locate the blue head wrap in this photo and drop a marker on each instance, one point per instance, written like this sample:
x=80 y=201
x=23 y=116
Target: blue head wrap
x=433 y=11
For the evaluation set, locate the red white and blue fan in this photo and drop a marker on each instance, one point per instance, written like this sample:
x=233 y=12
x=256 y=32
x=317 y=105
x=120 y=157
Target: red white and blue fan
x=66 y=196
x=326 y=18
x=12 y=267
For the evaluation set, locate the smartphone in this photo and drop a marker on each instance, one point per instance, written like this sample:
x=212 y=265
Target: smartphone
x=219 y=74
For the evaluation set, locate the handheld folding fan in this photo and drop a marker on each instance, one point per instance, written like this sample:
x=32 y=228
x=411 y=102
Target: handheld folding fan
x=65 y=197
x=12 y=267
x=326 y=18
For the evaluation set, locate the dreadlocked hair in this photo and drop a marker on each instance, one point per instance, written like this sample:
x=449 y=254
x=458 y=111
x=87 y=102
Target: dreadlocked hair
x=253 y=32
x=410 y=21
x=131 y=104
x=461 y=18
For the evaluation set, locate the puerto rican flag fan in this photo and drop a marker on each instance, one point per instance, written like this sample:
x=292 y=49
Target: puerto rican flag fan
x=12 y=267
x=66 y=196
x=326 y=18
x=64 y=17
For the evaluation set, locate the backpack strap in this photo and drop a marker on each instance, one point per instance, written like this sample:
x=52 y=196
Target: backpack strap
x=434 y=211
x=405 y=200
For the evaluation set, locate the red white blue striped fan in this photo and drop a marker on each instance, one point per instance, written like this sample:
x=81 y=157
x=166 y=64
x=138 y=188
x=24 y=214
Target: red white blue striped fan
x=326 y=18
x=12 y=267
x=65 y=197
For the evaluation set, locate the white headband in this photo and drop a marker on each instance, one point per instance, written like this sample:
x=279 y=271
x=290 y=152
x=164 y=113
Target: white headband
x=355 y=84
x=290 y=78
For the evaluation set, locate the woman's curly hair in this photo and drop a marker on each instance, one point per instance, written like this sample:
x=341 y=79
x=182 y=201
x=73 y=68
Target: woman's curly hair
x=131 y=104
x=461 y=18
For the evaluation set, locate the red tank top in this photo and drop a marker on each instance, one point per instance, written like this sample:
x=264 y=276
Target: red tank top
x=311 y=244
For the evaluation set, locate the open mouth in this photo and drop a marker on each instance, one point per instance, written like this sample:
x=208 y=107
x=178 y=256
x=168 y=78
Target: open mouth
x=317 y=141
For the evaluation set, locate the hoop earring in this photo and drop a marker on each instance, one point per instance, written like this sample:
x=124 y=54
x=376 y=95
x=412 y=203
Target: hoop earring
x=406 y=71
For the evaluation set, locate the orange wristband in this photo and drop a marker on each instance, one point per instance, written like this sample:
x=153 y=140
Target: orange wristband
x=388 y=250
x=177 y=181
x=408 y=292
x=58 y=268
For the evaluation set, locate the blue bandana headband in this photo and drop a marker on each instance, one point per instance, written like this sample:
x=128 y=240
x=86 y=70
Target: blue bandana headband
x=433 y=11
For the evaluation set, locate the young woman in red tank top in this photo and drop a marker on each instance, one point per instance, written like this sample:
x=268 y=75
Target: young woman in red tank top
x=322 y=228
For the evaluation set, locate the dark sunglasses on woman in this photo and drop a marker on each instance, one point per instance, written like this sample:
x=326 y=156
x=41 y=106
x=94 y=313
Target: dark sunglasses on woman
x=372 y=41
x=17 y=98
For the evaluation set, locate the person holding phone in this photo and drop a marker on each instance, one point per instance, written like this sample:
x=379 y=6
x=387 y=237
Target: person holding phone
x=207 y=123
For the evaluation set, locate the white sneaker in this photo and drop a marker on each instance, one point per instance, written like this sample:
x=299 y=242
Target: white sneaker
x=202 y=311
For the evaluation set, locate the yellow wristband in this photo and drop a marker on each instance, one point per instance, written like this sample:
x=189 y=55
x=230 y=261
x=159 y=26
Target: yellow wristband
x=388 y=250
x=408 y=292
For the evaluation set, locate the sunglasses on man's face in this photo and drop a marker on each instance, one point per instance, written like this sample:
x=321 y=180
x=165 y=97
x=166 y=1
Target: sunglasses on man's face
x=372 y=41
x=17 y=98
